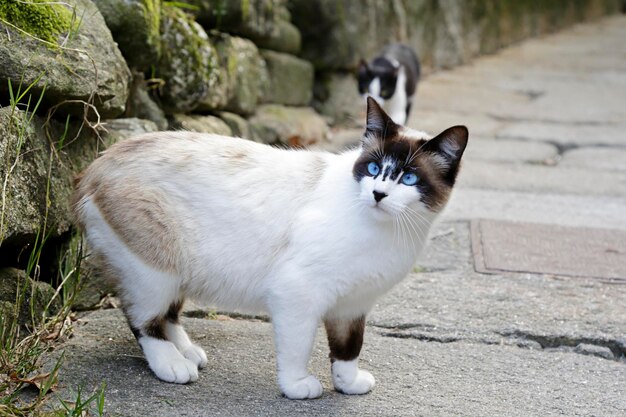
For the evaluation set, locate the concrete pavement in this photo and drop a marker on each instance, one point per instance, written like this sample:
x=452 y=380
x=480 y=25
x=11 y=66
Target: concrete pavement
x=547 y=121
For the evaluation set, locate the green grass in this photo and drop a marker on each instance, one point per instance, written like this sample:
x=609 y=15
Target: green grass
x=26 y=333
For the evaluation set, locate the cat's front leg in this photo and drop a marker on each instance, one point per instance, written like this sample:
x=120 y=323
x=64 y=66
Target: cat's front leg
x=294 y=334
x=345 y=338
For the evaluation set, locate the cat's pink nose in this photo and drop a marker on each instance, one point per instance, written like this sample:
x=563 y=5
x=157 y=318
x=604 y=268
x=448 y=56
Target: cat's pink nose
x=379 y=196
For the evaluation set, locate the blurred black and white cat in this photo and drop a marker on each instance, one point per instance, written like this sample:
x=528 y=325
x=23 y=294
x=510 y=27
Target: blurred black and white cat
x=391 y=79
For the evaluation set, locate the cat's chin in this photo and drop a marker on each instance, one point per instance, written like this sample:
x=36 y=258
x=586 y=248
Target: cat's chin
x=380 y=213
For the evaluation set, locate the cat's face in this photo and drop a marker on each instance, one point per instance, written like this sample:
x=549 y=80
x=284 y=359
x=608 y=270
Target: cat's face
x=401 y=172
x=378 y=79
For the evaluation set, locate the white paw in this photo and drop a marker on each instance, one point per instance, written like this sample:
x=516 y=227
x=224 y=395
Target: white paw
x=166 y=361
x=349 y=379
x=196 y=355
x=362 y=384
x=177 y=370
x=301 y=389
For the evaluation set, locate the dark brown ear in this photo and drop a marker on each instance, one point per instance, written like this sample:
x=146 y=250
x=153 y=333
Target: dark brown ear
x=379 y=125
x=363 y=65
x=448 y=148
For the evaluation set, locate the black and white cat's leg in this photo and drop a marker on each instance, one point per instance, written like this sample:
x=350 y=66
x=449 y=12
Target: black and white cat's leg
x=152 y=305
x=175 y=333
x=294 y=333
x=345 y=338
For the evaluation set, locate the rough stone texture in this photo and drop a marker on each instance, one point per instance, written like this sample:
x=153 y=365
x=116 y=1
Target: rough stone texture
x=337 y=98
x=188 y=65
x=141 y=105
x=90 y=63
x=120 y=129
x=559 y=133
x=237 y=124
x=266 y=22
x=245 y=77
x=336 y=34
x=293 y=126
x=549 y=249
x=527 y=206
x=516 y=151
x=450 y=299
x=542 y=179
x=435 y=121
x=290 y=79
x=92 y=287
x=135 y=28
x=30 y=167
x=340 y=140
x=284 y=37
x=86 y=146
x=606 y=159
x=26 y=161
x=35 y=293
x=202 y=124
x=414 y=377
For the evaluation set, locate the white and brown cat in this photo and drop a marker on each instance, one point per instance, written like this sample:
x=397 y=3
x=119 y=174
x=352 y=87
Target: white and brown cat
x=306 y=236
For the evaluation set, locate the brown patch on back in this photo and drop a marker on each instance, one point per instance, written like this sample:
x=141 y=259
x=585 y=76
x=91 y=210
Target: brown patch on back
x=345 y=338
x=139 y=218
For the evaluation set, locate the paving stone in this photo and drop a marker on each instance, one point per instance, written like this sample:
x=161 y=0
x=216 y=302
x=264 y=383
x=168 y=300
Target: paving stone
x=413 y=377
x=546 y=249
x=433 y=122
x=434 y=96
x=512 y=151
x=541 y=179
x=476 y=306
x=567 y=135
x=609 y=159
x=553 y=208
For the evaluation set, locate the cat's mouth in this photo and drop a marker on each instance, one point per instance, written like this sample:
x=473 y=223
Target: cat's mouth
x=382 y=211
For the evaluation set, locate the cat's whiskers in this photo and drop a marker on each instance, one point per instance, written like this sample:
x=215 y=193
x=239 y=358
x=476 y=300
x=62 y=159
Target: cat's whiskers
x=421 y=222
x=409 y=223
x=406 y=221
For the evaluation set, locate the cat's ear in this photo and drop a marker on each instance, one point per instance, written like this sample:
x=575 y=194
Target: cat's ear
x=447 y=149
x=379 y=125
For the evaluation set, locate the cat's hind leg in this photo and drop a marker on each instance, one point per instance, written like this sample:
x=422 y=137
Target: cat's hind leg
x=151 y=299
x=160 y=339
x=345 y=338
x=175 y=333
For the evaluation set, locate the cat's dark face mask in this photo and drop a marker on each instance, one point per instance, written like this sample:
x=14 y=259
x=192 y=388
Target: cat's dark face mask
x=381 y=69
x=401 y=171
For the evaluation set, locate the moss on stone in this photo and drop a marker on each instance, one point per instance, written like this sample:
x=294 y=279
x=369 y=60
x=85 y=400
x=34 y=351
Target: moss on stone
x=37 y=17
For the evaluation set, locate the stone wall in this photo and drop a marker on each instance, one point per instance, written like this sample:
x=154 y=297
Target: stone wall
x=76 y=77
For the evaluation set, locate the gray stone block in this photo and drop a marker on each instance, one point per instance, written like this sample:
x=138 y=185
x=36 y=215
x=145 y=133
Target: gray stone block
x=290 y=79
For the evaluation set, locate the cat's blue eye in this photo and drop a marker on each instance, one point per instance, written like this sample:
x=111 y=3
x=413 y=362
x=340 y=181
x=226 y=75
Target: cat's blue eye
x=373 y=169
x=409 y=179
